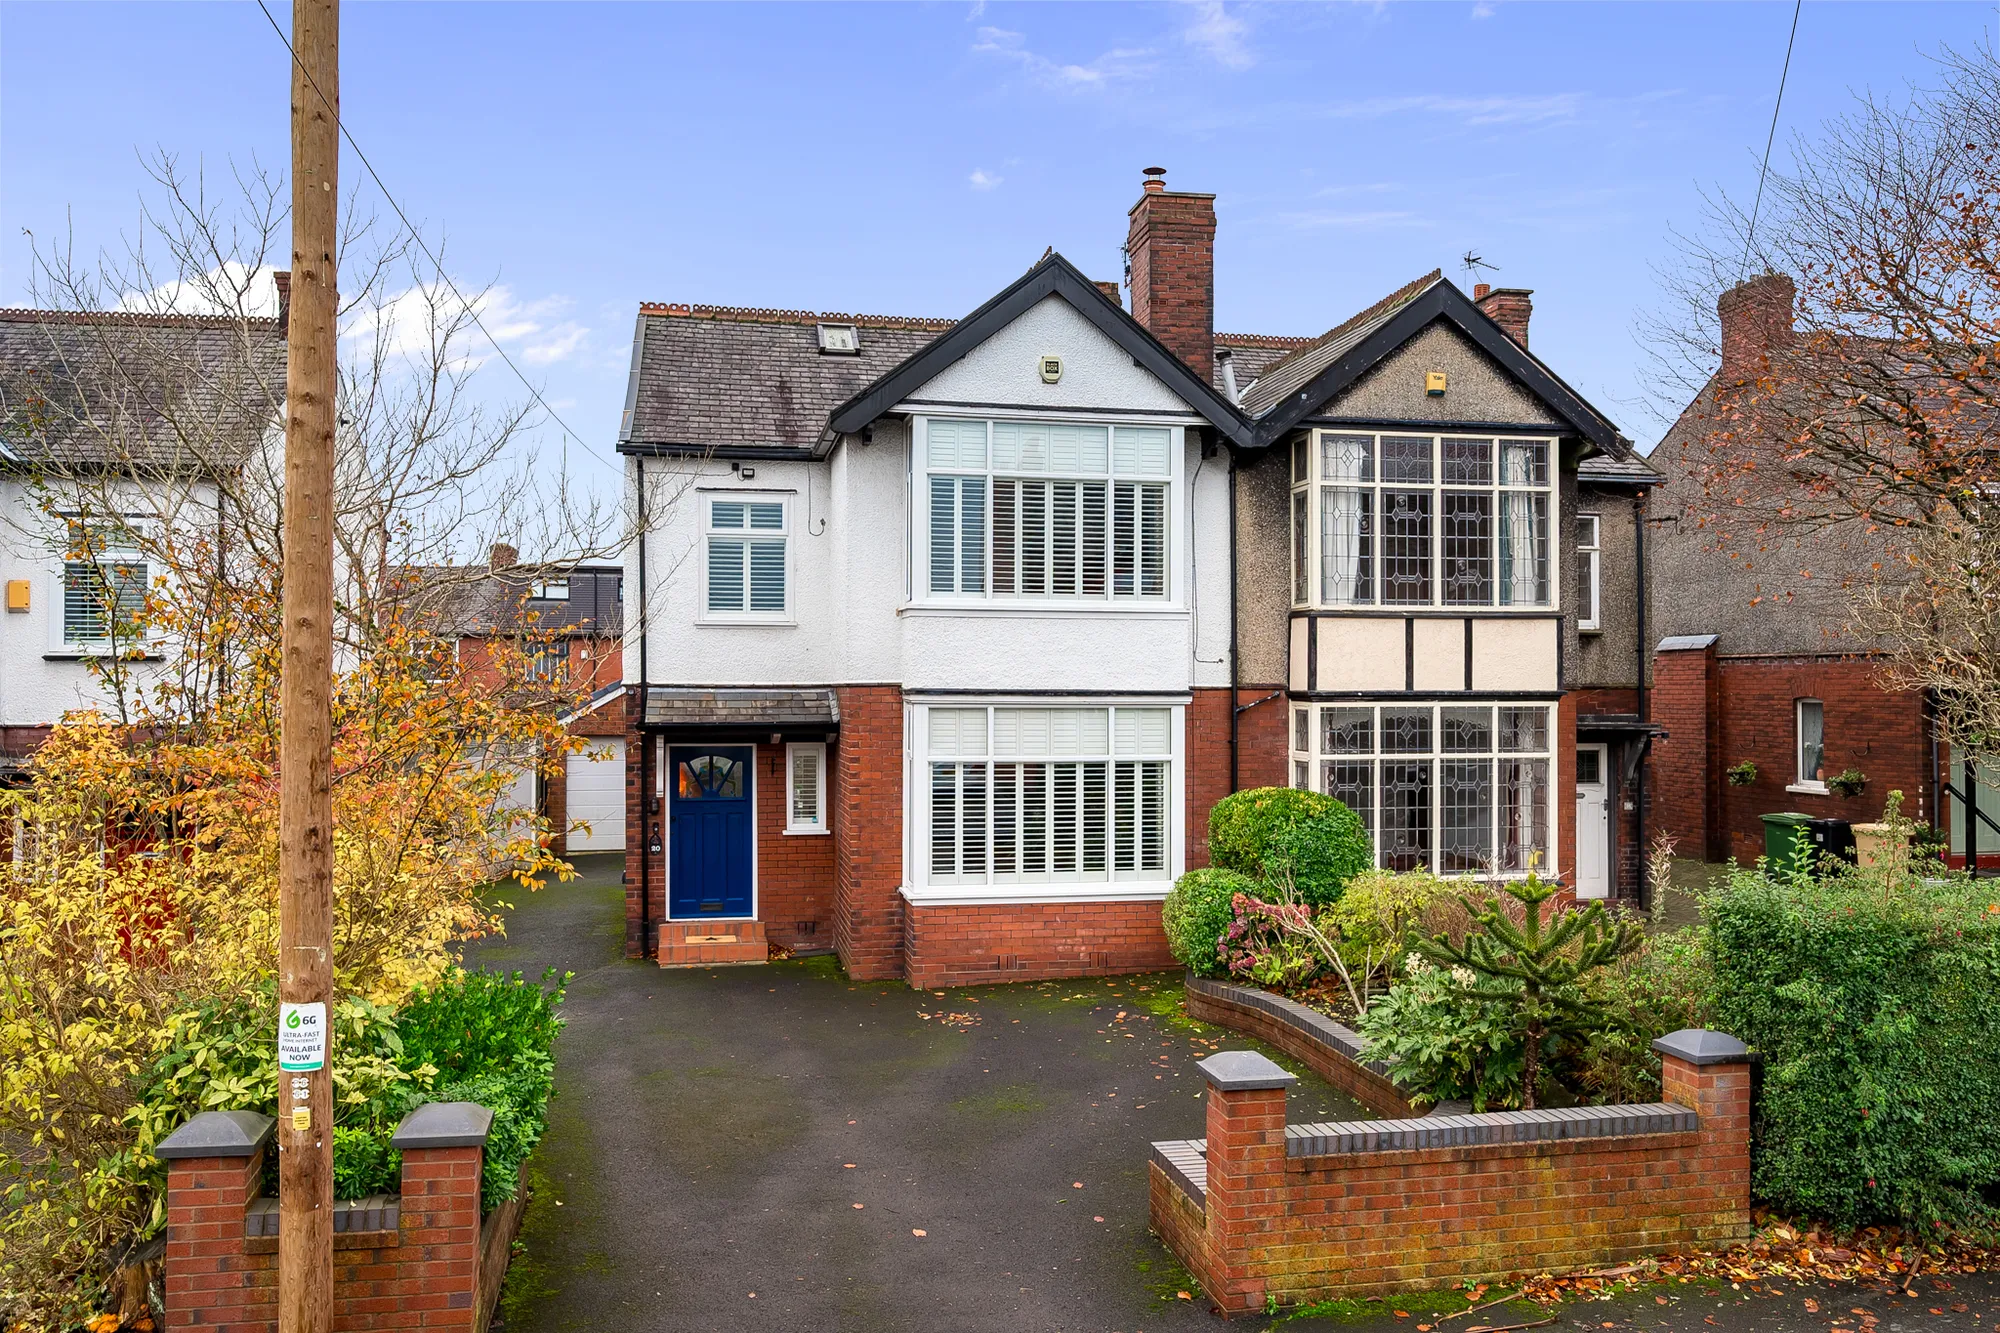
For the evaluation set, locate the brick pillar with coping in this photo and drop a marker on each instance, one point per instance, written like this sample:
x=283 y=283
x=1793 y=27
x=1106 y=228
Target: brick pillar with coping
x=1246 y=1172
x=1709 y=1072
x=215 y=1169
x=444 y=1154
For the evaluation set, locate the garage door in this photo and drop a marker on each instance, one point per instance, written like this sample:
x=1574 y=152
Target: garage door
x=597 y=797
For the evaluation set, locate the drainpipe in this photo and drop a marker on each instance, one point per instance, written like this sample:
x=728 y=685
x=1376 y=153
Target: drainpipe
x=1645 y=701
x=1235 y=682
x=645 y=750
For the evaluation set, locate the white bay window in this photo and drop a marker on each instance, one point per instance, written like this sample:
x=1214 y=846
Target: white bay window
x=1454 y=788
x=1420 y=520
x=1017 y=797
x=1031 y=510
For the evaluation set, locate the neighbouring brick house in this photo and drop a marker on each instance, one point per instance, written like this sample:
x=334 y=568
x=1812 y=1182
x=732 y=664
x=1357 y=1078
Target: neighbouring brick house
x=569 y=620
x=1756 y=661
x=944 y=636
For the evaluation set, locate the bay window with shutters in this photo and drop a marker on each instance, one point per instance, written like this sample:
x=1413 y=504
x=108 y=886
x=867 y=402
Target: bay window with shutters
x=746 y=557
x=1398 y=521
x=1454 y=788
x=1030 y=511
x=1046 y=802
x=100 y=585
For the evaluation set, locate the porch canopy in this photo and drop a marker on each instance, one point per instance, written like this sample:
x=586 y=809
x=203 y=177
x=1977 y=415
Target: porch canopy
x=746 y=714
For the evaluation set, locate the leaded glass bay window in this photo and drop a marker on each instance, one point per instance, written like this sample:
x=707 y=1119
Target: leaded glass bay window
x=1025 y=796
x=1459 y=789
x=1045 y=510
x=1421 y=520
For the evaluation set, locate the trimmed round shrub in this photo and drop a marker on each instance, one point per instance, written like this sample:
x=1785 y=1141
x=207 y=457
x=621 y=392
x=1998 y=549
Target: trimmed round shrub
x=1278 y=833
x=1197 y=910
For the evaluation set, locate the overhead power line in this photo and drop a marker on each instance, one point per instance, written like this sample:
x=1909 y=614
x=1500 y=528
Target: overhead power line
x=418 y=237
x=1751 y=236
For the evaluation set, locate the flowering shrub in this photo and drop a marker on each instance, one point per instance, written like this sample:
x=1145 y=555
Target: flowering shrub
x=1264 y=943
x=1444 y=1041
x=1197 y=910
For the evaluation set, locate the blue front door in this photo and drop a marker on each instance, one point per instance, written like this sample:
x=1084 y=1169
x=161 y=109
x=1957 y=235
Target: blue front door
x=709 y=831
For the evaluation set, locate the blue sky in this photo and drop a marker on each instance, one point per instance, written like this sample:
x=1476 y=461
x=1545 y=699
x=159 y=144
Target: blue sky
x=912 y=159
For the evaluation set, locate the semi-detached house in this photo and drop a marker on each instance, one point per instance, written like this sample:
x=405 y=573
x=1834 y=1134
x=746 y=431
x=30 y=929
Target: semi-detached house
x=943 y=637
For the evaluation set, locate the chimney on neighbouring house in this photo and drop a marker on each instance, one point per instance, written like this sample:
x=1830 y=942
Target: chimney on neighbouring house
x=1756 y=321
x=502 y=557
x=282 y=280
x=1171 y=250
x=1110 y=290
x=1509 y=307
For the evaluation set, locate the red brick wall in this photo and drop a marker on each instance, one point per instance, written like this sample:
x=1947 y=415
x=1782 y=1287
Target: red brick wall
x=1684 y=776
x=645 y=873
x=867 y=818
x=1375 y=1091
x=1263 y=760
x=1300 y=1229
x=1562 y=788
x=976 y=945
x=795 y=874
x=1171 y=245
x=427 y=1274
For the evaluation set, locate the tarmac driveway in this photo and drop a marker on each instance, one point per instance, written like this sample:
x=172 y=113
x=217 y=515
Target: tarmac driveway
x=777 y=1148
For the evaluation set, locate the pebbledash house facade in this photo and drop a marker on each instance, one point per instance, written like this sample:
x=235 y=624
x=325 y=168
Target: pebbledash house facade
x=942 y=637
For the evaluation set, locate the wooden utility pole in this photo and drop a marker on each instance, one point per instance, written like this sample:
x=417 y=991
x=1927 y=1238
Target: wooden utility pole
x=305 y=798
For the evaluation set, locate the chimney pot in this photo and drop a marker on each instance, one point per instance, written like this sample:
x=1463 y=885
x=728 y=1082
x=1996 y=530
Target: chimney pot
x=1480 y=289
x=1756 y=321
x=1170 y=250
x=1509 y=307
x=503 y=556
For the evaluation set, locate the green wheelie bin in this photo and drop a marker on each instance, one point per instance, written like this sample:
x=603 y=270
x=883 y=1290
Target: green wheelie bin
x=1788 y=841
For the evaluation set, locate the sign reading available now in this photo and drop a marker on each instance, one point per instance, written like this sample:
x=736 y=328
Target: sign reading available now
x=301 y=1037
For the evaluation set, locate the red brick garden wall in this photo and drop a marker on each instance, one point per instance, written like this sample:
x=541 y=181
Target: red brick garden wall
x=975 y=945
x=795 y=871
x=867 y=819
x=432 y=1272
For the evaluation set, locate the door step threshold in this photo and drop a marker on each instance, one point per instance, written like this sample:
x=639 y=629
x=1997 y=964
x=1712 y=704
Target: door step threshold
x=712 y=943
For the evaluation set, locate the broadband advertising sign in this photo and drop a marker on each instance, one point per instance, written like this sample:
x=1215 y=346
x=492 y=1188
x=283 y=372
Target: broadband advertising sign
x=301 y=1037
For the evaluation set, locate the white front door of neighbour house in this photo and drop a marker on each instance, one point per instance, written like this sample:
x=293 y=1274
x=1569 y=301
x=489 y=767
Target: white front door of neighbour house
x=1593 y=823
x=596 y=790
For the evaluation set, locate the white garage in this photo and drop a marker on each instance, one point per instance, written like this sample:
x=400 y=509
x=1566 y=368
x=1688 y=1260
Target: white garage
x=596 y=796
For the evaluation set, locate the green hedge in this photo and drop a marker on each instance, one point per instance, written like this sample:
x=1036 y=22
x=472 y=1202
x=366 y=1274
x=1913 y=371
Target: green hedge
x=1877 y=1014
x=1196 y=912
x=1274 y=833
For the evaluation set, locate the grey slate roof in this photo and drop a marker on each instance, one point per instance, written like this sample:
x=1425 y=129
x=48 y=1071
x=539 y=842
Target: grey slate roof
x=159 y=393
x=1290 y=373
x=674 y=705
x=731 y=377
x=477 y=599
x=1630 y=470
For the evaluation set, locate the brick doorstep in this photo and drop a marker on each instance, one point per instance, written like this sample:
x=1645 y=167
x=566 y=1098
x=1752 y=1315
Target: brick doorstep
x=712 y=943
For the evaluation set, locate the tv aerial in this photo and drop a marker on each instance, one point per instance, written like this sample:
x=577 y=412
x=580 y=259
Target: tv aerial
x=1472 y=263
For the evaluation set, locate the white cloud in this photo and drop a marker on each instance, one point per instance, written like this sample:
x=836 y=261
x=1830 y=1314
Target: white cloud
x=1220 y=34
x=1482 y=10
x=232 y=289
x=405 y=322
x=984 y=180
x=1493 y=110
x=1119 y=65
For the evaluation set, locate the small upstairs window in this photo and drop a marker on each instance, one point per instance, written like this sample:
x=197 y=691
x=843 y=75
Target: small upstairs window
x=747 y=558
x=1587 y=572
x=103 y=581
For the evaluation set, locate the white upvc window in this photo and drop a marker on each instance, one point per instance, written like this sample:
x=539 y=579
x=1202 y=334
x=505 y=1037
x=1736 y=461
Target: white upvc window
x=1810 y=728
x=1460 y=789
x=805 y=787
x=1406 y=520
x=1061 y=798
x=1044 y=510
x=100 y=584
x=1587 y=572
x=746 y=556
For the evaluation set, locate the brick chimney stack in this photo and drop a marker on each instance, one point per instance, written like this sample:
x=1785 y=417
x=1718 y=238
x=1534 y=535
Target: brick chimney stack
x=282 y=280
x=1756 y=321
x=1171 y=248
x=502 y=556
x=1509 y=307
x=1111 y=292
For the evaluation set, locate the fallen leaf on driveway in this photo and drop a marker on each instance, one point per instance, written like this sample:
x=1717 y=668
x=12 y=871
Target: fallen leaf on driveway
x=1183 y=1295
x=1812 y=1306
x=848 y=1165
x=857 y=1205
x=918 y=1231
x=1097 y=1219
x=1076 y=1184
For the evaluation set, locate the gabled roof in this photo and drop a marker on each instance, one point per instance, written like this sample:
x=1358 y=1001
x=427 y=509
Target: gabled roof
x=1053 y=276
x=1299 y=384
x=142 y=392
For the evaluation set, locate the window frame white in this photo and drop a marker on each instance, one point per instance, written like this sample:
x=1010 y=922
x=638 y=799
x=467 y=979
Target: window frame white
x=1800 y=781
x=1174 y=595
x=60 y=645
x=1313 y=763
x=1307 y=479
x=1591 y=582
x=706 y=499
x=921 y=887
x=818 y=826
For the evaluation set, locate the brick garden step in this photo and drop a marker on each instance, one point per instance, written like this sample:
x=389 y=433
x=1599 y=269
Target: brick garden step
x=712 y=943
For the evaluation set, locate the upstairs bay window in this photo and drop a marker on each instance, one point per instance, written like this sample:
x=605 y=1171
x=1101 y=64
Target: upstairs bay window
x=1420 y=520
x=1044 y=510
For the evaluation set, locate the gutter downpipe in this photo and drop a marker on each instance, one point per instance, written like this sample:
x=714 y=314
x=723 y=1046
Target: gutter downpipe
x=1645 y=700
x=1235 y=682
x=645 y=750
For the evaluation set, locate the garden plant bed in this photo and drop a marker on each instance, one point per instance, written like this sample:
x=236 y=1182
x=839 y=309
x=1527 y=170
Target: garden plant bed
x=1328 y=1048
